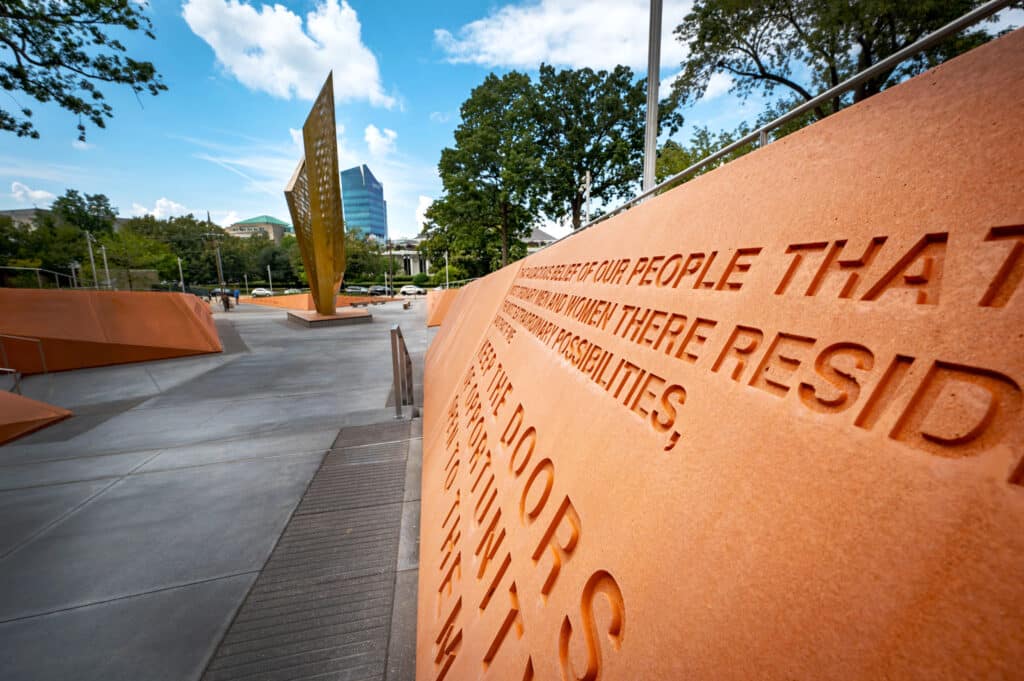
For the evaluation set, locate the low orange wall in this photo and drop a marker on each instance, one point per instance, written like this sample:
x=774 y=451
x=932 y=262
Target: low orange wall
x=95 y=328
x=20 y=416
x=439 y=301
x=767 y=425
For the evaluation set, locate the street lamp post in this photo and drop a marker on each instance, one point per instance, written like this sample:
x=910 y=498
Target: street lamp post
x=446 y=269
x=246 y=275
x=103 y=250
x=92 y=261
x=653 y=63
x=270 y=278
x=181 y=277
x=74 y=279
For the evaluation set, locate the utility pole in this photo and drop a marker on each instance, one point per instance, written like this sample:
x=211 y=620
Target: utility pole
x=220 y=268
x=181 y=277
x=270 y=277
x=586 y=196
x=653 y=81
x=391 y=262
x=92 y=261
x=103 y=250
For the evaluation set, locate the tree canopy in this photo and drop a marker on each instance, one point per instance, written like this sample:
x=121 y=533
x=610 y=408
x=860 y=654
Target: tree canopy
x=492 y=176
x=63 y=50
x=591 y=121
x=795 y=49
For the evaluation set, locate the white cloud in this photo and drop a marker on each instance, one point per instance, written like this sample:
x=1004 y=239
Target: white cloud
x=718 y=85
x=270 y=50
x=421 y=211
x=440 y=117
x=81 y=146
x=380 y=142
x=226 y=218
x=598 y=34
x=24 y=194
x=163 y=208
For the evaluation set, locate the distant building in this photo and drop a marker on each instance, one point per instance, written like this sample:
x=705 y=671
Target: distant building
x=537 y=240
x=261 y=224
x=407 y=256
x=363 y=204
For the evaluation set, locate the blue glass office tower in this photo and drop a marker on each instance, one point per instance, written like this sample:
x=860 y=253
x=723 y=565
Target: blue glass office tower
x=362 y=202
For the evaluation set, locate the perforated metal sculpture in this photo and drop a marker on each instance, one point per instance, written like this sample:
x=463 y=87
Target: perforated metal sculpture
x=314 y=201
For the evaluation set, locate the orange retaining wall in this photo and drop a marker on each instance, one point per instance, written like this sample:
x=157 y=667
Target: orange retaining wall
x=95 y=328
x=767 y=425
x=20 y=416
x=439 y=301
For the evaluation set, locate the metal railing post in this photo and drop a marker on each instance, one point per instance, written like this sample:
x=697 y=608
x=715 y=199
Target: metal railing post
x=396 y=374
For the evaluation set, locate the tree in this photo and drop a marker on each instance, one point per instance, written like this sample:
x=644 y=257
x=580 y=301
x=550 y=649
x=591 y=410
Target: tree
x=492 y=176
x=801 y=47
x=60 y=49
x=88 y=212
x=128 y=250
x=363 y=260
x=673 y=158
x=592 y=121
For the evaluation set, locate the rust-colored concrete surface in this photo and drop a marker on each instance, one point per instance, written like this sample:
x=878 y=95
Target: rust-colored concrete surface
x=304 y=301
x=765 y=426
x=439 y=301
x=21 y=416
x=96 y=328
x=312 y=318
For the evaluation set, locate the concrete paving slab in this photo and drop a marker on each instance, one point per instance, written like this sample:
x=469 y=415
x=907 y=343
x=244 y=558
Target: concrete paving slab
x=71 y=470
x=156 y=531
x=284 y=443
x=162 y=636
x=24 y=512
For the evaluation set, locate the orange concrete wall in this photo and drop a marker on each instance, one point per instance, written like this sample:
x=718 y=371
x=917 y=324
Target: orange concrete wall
x=20 y=416
x=766 y=426
x=96 y=328
x=439 y=301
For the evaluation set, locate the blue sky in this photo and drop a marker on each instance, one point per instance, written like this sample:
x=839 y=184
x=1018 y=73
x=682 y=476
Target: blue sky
x=241 y=77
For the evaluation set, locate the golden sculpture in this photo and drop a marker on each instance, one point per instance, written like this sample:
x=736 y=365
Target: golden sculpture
x=314 y=201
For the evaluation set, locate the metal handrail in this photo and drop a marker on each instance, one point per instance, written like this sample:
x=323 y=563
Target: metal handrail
x=38 y=342
x=401 y=366
x=37 y=270
x=952 y=28
x=14 y=373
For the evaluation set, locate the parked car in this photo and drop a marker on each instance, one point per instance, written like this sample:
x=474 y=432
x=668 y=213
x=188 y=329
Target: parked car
x=290 y=291
x=381 y=291
x=411 y=290
x=357 y=290
x=261 y=293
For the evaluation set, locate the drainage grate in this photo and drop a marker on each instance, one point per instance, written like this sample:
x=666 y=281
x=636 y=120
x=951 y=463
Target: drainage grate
x=321 y=607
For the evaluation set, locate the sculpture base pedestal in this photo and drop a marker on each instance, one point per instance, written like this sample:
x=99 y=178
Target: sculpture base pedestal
x=314 y=320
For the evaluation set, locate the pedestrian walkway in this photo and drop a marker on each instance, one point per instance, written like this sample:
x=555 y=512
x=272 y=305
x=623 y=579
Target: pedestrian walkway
x=131 y=534
x=324 y=602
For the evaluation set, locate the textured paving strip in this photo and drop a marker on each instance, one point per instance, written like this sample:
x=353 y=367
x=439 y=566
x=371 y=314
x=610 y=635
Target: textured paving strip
x=322 y=606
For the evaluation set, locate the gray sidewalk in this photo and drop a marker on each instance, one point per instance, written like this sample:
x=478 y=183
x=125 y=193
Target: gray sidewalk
x=131 y=533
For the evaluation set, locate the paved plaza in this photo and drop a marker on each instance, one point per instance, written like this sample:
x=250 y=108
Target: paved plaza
x=132 y=534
